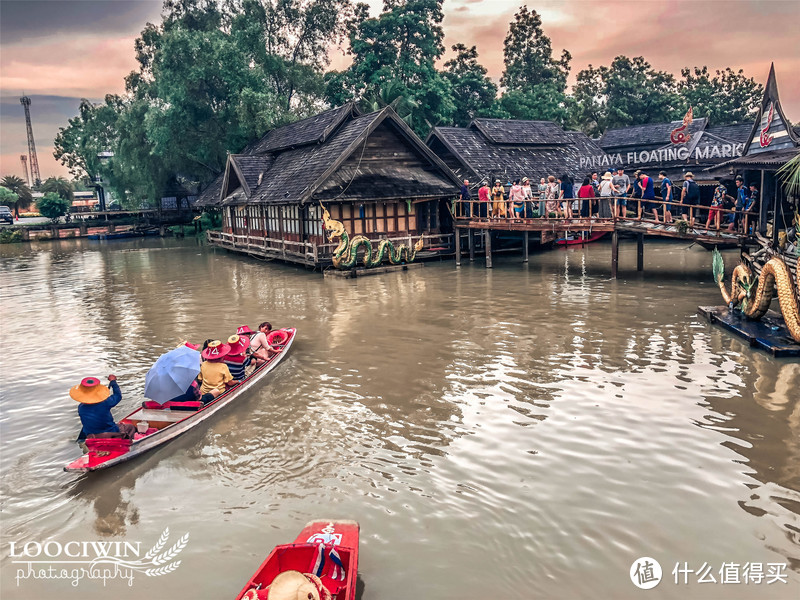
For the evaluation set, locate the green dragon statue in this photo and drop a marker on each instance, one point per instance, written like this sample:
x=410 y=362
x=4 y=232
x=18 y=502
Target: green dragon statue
x=345 y=255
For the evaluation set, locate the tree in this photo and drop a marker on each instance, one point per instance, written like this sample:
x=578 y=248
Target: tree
x=629 y=92
x=18 y=186
x=8 y=198
x=60 y=186
x=52 y=206
x=473 y=91
x=398 y=48
x=726 y=97
x=533 y=80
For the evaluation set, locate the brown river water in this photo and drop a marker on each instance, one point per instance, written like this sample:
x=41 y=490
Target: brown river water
x=523 y=432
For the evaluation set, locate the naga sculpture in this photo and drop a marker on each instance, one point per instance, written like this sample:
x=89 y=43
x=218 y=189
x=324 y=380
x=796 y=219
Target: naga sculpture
x=753 y=295
x=345 y=255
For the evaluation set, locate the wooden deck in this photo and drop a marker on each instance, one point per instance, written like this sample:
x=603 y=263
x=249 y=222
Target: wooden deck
x=768 y=334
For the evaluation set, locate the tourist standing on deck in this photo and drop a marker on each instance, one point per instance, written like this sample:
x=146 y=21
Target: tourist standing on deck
x=516 y=200
x=750 y=205
x=551 y=204
x=498 y=201
x=594 y=181
x=666 y=195
x=527 y=197
x=648 y=193
x=483 y=199
x=567 y=194
x=741 y=200
x=586 y=194
x=607 y=191
x=465 y=199
x=542 y=197
x=717 y=202
x=690 y=197
x=623 y=185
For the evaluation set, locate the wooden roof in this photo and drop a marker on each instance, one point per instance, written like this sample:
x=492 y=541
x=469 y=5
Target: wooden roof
x=271 y=172
x=644 y=137
x=520 y=133
x=470 y=152
x=778 y=133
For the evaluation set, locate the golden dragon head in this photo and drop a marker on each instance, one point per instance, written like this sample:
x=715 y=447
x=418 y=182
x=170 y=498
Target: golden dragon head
x=334 y=228
x=418 y=245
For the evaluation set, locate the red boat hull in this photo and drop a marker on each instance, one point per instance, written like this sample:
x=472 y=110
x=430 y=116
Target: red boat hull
x=303 y=556
x=592 y=238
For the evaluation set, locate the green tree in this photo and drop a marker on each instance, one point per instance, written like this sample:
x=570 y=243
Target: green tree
x=629 y=92
x=8 y=198
x=534 y=82
x=52 y=206
x=18 y=186
x=726 y=97
x=60 y=186
x=473 y=91
x=398 y=48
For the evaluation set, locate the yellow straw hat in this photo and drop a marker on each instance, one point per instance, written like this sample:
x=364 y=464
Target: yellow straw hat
x=292 y=585
x=89 y=391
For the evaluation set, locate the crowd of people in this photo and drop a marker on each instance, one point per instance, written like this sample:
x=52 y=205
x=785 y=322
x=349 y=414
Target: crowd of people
x=223 y=365
x=612 y=195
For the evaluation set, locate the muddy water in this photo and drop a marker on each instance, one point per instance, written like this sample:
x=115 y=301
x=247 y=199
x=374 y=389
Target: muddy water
x=527 y=431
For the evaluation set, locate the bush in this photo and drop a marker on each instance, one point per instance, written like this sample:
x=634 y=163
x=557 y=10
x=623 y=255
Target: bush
x=53 y=206
x=10 y=236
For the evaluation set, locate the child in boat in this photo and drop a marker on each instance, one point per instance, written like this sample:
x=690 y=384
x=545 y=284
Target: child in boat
x=214 y=377
x=96 y=402
x=236 y=359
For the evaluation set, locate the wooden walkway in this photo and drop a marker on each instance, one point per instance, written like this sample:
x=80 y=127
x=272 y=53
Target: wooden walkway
x=550 y=229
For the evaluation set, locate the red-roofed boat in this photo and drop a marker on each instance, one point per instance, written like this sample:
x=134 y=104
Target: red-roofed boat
x=327 y=550
x=167 y=421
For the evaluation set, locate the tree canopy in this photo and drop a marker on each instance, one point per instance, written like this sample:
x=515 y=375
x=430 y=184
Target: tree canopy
x=473 y=91
x=52 y=206
x=17 y=186
x=60 y=186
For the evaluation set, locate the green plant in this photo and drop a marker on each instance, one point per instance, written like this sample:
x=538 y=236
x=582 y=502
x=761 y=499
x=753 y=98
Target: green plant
x=53 y=206
x=10 y=236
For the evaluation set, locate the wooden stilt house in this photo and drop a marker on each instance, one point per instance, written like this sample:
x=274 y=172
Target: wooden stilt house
x=370 y=171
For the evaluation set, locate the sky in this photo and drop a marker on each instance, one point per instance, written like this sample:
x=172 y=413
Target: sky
x=59 y=51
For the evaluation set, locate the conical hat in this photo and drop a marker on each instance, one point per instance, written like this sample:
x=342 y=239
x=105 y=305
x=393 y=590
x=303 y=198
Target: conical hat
x=292 y=585
x=89 y=391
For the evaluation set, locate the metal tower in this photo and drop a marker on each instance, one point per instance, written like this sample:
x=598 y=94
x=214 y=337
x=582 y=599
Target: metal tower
x=24 y=160
x=37 y=179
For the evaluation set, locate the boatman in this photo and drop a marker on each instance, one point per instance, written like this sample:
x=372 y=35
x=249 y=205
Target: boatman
x=96 y=402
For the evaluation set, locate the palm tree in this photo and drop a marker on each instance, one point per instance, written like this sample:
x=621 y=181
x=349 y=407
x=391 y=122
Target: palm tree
x=790 y=173
x=59 y=185
x=20 y=188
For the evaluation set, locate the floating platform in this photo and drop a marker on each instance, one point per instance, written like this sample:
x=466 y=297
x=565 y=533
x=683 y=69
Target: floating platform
x=354 y=273
x=768 y=334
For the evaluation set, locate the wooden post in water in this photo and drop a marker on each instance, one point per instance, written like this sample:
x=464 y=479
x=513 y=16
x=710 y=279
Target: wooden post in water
x=614 y=253
x=488 y=240
x=524 y=246
x=640 y=252
x=471 y=240
x=458 y=246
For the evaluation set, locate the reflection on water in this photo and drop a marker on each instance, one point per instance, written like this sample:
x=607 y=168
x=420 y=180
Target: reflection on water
x=532 y=427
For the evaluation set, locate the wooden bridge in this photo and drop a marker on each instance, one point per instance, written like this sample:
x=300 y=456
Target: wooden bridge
x=638 y=220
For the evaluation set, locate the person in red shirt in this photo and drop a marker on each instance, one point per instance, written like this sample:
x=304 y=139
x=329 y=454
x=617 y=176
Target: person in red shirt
x=586 y=192
x=484 y=199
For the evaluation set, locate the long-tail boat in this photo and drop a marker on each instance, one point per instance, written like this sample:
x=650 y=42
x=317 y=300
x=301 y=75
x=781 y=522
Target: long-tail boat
x=325 y=554
x=167 y=421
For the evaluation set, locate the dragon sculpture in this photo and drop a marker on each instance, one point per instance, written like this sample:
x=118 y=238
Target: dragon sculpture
x=753 y=295
x=345 y=255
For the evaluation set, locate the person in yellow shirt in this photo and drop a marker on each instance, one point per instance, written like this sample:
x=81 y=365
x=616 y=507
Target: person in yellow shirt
x=214 y=377
x=498 y=201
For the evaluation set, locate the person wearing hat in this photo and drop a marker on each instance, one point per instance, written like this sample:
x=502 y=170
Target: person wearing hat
x=291 y=585
x=236 y=359
x=607 y=191
x=96 y=402
x=527 y=197
x=214 y=377
x=690 y=196
x=498 y=200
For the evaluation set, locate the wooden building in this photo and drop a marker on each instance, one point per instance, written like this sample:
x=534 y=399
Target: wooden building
x=370 y=170
x=509 y=149
x=771 y=143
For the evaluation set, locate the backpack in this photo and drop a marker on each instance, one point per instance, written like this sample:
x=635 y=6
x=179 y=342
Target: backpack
x=692 y=191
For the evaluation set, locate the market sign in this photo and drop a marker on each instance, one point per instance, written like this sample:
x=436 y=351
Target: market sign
x=662 y=155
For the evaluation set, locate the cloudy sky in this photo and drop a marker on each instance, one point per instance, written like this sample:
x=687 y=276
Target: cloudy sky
x=58 y=51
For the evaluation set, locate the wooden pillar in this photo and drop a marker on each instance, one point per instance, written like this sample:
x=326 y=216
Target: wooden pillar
x=458 y=246
x=640 y=252
x=83 y=228
x=524 y=246
x=614 y=253
x=471 y=241
x=488 y=241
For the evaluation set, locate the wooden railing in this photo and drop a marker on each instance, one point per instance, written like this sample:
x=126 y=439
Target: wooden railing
x=743 y=222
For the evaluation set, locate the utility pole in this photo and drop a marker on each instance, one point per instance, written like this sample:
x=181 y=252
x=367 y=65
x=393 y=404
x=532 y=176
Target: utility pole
x=35 y=176
x=24 y=160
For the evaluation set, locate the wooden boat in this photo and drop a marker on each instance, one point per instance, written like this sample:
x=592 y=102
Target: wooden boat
x=318 y=548
x=167 y=423
x=579 y=239
x=123 y=234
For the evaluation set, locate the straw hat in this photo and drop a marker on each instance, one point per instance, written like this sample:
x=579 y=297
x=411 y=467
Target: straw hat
x=245 y=330
x=89 y=391
x=238 y=344
x=216 y=350
x=294 y=585
x=524 y=179
x=607 y=175
x=688 y=174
